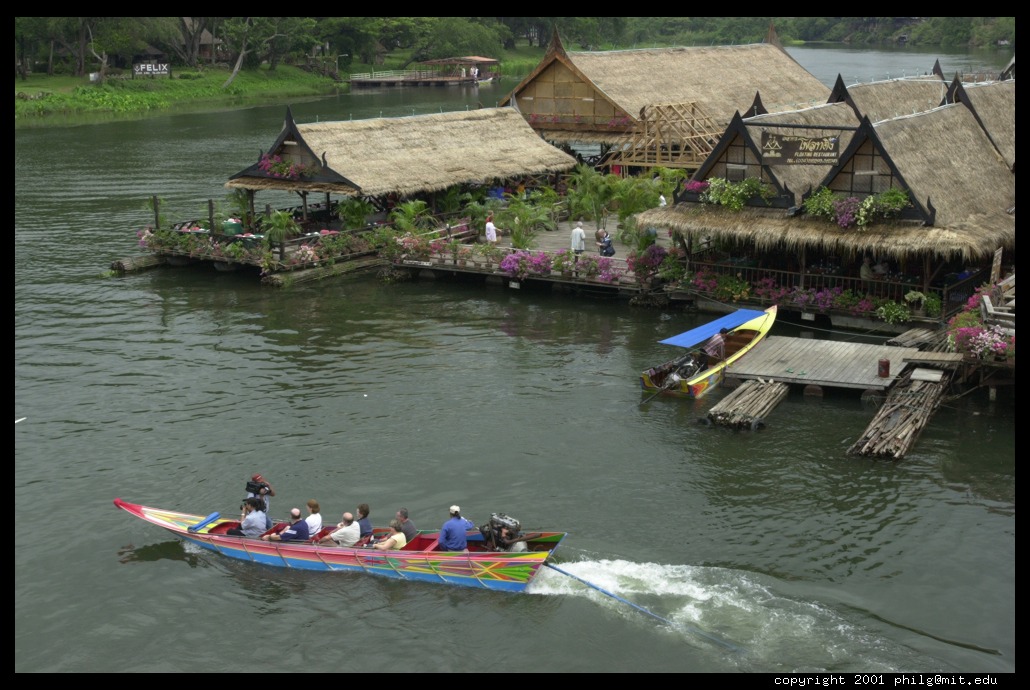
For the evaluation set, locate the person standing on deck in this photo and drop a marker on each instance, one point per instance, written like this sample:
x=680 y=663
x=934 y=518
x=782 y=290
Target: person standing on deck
x=491 y=230
x=579 y=237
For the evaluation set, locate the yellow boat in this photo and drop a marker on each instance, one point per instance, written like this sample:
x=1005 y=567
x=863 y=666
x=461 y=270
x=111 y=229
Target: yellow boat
x=689 y=375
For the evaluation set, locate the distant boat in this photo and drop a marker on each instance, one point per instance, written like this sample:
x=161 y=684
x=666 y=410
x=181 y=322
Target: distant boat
x=689 y=375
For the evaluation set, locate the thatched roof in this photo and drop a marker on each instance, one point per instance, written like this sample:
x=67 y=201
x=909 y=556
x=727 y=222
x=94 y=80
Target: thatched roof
x=721 y=79
x=946 y=161
x=946 y=157
x=995 y=106
x=884 y=100
x=421 y=153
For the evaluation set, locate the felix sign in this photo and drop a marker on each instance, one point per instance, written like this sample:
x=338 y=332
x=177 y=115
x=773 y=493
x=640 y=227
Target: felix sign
x=151 y=69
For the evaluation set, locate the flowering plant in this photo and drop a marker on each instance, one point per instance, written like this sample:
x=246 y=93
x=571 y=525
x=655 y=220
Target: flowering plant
x=607 y=271
x=892 y=312
x=306 y=254
x=516 y=264
x=914 y=297
x=645 y=264
x=589 y=265
x=983 y=343
x=275 y=166
x=696 y=186
x=564 y=261
x=521 y=263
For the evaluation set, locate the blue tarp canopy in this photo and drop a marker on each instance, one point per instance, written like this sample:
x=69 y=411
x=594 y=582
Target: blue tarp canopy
x=702 y=333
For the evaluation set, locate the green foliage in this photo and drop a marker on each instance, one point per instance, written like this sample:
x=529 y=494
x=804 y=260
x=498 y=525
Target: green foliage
x=590 y=193
x=523 y=220
x=932 y=305
x=734 y=195
x=354 y=212
x=673 y=268
x=411 y=216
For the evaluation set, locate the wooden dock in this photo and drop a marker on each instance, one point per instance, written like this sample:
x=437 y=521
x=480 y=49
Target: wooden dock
x=823 y=363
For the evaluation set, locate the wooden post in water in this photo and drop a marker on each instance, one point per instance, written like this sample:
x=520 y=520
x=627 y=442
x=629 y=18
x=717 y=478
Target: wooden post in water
x=155 y=202
x=211 y=215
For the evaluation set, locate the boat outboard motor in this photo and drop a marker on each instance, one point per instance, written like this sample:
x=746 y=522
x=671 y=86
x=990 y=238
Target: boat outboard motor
x=492 y=530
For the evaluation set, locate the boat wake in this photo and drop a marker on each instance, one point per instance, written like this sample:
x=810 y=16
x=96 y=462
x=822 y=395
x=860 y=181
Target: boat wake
x=740 y=612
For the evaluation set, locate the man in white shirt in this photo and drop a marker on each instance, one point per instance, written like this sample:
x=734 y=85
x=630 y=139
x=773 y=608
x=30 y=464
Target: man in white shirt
x=347 y=533
x=578 y=238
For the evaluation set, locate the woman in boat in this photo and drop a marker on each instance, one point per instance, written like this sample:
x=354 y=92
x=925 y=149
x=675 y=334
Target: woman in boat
x=393 y=541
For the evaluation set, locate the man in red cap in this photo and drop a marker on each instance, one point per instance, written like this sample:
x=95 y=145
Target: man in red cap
x=257 y=487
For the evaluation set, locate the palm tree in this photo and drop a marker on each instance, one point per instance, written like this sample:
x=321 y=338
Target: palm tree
x=279 y=227
x=411 y=216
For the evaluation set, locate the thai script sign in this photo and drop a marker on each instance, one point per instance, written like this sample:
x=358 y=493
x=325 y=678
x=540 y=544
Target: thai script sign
x=151 y=68
x=787 y=149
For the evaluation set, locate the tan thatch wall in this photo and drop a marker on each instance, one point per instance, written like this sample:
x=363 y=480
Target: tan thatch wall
x=884 y=100
x=425 y=153
x=721 y=79
x=801 y=178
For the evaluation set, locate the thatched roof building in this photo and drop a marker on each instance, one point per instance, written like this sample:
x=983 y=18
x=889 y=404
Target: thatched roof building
x=405 y=155
x=884 y=100
x=963 y=195
x=994 y=107
x=601 y=96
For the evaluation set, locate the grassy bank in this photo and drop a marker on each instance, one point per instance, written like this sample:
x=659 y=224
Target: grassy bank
x=42 y=99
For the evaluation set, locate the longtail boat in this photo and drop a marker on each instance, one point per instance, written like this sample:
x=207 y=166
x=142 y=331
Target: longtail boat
x=421 y=559
x=693 y=375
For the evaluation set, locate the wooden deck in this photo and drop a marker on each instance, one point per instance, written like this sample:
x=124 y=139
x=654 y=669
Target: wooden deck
x=822 y=363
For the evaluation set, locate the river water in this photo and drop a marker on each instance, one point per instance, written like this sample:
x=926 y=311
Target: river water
x=754 y=552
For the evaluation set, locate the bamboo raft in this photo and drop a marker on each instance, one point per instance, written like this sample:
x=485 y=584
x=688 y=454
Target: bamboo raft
x=748 y=405
x=902 y=417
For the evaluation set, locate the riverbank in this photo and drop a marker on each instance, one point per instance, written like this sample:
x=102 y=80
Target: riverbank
x=44 y=101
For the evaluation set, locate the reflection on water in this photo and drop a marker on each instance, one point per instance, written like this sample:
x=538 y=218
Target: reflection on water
x=169 y=550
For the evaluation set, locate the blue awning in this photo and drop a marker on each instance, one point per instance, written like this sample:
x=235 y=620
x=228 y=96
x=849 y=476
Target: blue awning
x=700 y=334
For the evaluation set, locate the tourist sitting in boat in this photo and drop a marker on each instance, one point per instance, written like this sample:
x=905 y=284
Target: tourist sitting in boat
x=364 y=524
x=252 y=521
x=395 y=540
x=452 y=534
x=314 y=518
x=407 y=526
x=347 y=532
x=259 y=488
x=297 y=530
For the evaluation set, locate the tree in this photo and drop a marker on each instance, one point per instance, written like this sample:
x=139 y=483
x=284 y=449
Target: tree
x=191 y=30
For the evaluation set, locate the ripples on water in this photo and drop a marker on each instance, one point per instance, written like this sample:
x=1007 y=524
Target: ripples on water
x=172 y=386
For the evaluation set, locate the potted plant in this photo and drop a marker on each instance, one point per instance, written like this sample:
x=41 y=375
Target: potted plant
x=279 y=227
x=915 y=301
x=588 y=265
x=892 y=312
x=564 y=262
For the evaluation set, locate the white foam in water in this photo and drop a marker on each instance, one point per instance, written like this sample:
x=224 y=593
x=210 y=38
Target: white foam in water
x=737 y=610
